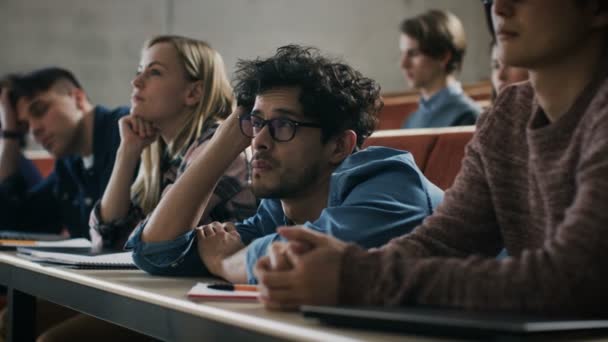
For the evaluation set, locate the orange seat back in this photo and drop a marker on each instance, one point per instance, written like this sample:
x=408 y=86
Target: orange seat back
x=446 y=158
x=420 y=146
x=43 y=161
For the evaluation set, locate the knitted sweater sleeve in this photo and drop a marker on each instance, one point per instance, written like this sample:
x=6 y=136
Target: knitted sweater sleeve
x=446 y=262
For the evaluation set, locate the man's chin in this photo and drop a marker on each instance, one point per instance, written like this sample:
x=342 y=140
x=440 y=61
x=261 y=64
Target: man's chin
x=262 y=191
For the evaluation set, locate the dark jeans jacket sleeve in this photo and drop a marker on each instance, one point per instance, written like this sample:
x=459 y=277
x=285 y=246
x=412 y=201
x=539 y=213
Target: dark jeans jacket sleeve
x=34 y=210
x=178 y=257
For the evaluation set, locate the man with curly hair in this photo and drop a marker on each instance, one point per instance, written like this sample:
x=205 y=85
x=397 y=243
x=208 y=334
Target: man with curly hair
x=305 y=117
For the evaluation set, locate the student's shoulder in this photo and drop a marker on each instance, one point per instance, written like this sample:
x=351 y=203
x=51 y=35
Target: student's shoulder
x=598 y=107
x=510 y=111
x=515 y=100
x=593 y=123
x=464 y=103
x=375 y=160
x=111 y=114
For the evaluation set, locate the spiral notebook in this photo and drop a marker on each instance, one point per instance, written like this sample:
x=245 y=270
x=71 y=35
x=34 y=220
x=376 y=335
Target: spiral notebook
x=78 y=257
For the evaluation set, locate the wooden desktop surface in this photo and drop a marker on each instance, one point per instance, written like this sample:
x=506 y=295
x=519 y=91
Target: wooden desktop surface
x=170 y=293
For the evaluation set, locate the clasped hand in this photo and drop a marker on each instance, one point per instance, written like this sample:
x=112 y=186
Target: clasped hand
x=304 y=270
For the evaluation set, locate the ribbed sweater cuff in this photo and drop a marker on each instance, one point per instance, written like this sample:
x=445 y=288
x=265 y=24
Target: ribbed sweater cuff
x=359 y=269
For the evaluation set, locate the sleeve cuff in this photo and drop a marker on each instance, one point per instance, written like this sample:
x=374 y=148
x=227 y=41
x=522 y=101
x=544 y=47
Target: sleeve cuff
x=114 y=231
x=257 y=249
x=178 y=257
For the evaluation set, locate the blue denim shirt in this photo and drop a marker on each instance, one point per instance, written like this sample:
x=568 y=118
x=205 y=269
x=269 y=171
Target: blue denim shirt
x=375 y=195
x=449 y=107
x=66 y=196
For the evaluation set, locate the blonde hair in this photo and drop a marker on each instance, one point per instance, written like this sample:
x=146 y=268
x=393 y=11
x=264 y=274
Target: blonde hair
x=201 y=63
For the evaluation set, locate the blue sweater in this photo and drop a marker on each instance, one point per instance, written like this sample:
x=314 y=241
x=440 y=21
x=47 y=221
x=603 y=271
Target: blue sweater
x=66 y=196
x=449 y=107
x=375 y=194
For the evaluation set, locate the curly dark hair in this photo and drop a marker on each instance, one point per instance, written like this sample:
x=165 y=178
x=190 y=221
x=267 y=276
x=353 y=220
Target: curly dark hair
x=333 y=94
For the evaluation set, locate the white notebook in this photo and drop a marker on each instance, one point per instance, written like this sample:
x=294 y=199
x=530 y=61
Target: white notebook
x=70 y=259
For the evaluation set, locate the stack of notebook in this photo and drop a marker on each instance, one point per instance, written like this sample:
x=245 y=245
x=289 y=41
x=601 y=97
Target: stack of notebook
x=79 y=257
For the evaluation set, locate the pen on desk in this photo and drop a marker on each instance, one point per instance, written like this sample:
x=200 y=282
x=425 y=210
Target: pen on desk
x=233 y=287
x=6 y=242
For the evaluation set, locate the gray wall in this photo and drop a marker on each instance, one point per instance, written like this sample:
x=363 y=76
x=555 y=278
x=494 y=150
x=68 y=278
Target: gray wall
x=100 y=39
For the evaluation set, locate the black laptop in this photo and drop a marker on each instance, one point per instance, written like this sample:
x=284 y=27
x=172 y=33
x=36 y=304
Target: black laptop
x=451 y=322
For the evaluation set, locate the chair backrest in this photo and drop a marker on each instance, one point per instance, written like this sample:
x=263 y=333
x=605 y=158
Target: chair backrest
x=43 y=161
x=446 y=158
x=438 y=152
x=393 y=115
x=419 y=145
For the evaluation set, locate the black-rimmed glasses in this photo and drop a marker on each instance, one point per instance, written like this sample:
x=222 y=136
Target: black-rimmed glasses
x=281 y=129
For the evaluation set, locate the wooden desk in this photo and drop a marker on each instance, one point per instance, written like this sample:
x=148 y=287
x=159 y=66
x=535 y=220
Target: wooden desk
x=156 y=306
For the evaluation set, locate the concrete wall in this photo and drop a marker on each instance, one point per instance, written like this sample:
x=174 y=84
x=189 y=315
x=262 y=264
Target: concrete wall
x=100 y=40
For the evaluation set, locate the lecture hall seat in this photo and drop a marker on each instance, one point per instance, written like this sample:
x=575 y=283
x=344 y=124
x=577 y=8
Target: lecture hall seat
x=438 y=152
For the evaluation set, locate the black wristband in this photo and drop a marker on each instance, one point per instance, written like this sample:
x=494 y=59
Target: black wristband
x=11 y=134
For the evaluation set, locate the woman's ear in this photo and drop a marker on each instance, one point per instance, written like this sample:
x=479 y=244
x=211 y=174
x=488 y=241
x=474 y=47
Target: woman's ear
x=343 y=146
x=195 y=93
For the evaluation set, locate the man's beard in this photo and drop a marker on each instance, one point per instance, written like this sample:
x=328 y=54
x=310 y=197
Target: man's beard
x=289 y=185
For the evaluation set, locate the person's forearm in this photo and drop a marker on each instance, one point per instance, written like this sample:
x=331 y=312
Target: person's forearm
x=116 y=199
x=10 y=152
x=182 y=206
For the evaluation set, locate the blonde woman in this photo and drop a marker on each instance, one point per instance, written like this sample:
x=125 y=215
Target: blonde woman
x=180 y=94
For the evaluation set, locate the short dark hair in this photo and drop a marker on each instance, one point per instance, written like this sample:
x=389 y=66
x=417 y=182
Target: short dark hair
x=438 y=32
x=332 y=93
x=38 y=81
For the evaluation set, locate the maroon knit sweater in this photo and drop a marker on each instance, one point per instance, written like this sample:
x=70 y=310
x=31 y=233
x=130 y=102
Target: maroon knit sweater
x=540 y=189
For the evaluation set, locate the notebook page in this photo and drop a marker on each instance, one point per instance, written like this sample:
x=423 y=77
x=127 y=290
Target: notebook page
x=123 y=258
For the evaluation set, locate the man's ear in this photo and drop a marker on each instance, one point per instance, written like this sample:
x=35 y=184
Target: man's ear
x=80 y=97
x=445 y=59
x=195 y=93
x=343 y=146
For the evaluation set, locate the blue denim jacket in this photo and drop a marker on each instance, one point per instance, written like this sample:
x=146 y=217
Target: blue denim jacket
x=66 y=196
x=375 y=195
